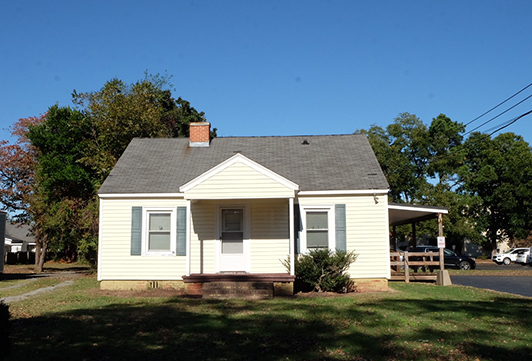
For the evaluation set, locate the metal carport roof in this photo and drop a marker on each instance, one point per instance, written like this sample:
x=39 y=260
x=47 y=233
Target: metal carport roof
x=400 y=213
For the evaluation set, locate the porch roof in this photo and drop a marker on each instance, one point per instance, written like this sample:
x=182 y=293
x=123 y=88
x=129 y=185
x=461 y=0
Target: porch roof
x=400 y=214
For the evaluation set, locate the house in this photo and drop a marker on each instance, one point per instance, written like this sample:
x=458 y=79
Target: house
x=187 y=213
x=18 y=238
x=19 y=243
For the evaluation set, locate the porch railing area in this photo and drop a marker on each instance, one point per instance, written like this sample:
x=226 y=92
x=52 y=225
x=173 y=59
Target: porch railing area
x=415 y=266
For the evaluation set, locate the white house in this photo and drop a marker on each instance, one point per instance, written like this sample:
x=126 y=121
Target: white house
x=183 y=213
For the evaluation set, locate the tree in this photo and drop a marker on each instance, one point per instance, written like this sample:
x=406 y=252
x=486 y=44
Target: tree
x=66 y=188
x=120 y=112
x=18 y=187
x=499 y=172
x=17 y=169
x=402 y=151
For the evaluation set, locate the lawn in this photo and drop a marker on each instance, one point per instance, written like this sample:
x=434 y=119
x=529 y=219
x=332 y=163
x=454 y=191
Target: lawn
x=411 y=322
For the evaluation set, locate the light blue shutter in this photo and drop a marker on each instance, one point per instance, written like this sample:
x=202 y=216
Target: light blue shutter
x=181 y=233
x=136 y=231
x=297 y=228
x=341 y=239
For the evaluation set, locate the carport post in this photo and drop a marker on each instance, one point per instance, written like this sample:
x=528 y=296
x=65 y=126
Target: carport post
x=443 y=278
x=440 y=234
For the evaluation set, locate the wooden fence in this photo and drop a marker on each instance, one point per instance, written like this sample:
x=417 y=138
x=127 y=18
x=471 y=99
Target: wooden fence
x=415 y=266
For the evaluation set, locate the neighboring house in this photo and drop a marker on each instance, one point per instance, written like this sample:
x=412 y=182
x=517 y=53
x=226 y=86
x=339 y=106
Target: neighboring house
x=18 y=238
x=181 y=213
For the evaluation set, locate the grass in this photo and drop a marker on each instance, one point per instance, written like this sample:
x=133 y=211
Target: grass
x=412 y=322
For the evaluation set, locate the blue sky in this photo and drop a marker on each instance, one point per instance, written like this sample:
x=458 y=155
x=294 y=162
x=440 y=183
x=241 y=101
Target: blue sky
x=276 y=67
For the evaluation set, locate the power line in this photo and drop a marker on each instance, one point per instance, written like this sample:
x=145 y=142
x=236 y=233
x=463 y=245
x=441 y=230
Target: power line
x=511 y=122
x=498 y=105
x=498 y=115
x=504 y=125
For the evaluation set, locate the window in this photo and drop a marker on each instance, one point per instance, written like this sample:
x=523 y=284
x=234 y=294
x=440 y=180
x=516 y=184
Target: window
x=318 y=227
x=317 y=230
x=159 y=231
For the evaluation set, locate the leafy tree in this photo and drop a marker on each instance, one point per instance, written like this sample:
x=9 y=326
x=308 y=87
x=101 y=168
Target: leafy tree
x=498 y=171
x=66 y=186
x=17 y=169
x=403 y=152
x=120 y=112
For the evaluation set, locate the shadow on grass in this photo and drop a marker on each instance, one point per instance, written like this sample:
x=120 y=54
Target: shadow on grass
x=290 y=329
x=21 y=276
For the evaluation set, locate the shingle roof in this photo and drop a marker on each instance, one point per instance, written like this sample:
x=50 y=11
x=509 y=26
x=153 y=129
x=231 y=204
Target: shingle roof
x=327 y=162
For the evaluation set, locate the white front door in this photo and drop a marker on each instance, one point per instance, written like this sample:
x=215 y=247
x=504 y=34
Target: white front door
x=232 y=240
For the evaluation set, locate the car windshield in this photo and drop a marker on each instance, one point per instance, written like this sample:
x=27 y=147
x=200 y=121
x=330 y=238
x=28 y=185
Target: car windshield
x=509 y=251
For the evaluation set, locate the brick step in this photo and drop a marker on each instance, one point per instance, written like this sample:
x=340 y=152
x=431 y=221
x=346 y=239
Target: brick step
x=241 y=290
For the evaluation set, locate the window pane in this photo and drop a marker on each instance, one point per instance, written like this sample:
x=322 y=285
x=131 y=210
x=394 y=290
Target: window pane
x=317 y=220
x=159 y=221
x=317 y=239
x=232 y=219
x=232 y=247
x=159 y=241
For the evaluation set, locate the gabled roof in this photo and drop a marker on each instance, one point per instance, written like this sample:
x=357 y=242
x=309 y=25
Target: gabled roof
x=315 y=163
x=18 y=232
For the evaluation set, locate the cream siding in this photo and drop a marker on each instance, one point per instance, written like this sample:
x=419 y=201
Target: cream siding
x=202 y=237
x=367 y=232
x=269 y=235
x=239 y=181
x=366 y=227
x=115 y=261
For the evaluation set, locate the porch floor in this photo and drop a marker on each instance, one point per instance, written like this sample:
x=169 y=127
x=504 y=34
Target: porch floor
x=238 y=277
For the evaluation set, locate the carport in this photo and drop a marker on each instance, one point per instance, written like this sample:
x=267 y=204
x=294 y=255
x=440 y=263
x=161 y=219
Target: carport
x=400 y=214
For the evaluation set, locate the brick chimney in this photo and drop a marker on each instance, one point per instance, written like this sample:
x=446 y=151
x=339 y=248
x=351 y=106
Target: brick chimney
x=200 y=133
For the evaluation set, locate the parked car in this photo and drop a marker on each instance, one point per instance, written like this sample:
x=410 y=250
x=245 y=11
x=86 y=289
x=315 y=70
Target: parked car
x=522 y=257
x=450 y=258
x=529 y=257
x=507 y=257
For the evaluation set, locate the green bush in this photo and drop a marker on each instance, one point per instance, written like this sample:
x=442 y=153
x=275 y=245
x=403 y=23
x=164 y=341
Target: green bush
x=323 y=270
x=4 y=330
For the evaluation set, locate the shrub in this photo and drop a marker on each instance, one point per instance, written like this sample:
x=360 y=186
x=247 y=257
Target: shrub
x=323 y=270
x=4 y=330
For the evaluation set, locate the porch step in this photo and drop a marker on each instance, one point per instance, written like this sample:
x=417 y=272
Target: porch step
x=241 y=290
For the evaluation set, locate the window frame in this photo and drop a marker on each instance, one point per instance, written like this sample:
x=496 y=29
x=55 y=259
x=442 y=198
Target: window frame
x=331 y=223
x=146 y=212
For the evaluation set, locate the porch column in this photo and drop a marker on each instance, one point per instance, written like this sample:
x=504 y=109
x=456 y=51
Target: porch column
x=189 y=225
x=292 y=240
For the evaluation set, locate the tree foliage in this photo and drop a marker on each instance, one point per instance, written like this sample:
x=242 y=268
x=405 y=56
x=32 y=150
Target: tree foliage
x=119 y=112
x=499 y=172
x=17 y=169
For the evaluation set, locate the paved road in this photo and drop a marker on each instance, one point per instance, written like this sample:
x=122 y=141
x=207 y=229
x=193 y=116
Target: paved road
x=491 y=266
x=519 y=285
